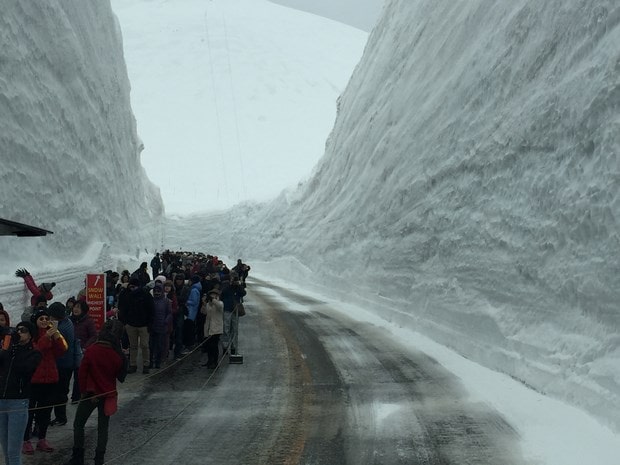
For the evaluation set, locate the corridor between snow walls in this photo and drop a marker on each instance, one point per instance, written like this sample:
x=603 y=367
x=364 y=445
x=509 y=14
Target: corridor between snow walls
x=70 y=151
x=469 y=190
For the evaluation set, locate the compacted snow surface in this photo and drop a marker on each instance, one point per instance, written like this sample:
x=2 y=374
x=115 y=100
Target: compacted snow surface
x=468 y=190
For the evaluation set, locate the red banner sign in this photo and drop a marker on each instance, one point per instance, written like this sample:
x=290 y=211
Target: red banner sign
x=95 y=298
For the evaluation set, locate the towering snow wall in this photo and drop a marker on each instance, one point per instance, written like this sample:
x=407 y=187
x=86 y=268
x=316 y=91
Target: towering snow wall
x=470 y=187
x=69 y=148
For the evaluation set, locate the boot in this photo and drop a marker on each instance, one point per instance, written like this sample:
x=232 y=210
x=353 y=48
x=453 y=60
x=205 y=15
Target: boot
x=27 y=448
x=77 y=458
x=44 y=446
x=99 y=454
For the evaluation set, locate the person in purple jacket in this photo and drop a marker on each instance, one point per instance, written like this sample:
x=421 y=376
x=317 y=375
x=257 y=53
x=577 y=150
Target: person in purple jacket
x=86 y=333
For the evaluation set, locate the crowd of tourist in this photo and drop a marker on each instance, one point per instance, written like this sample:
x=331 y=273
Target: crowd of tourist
x=192 y=300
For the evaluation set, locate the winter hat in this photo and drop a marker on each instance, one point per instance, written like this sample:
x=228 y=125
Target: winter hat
x=214 y=291
x=57 y=310
x=36 y=315
x=26 y=324
x=46 y=287
x=195 y=279
x=161 y=278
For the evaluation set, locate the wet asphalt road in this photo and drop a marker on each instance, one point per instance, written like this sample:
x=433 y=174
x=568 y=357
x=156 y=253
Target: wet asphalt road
x=315 y=388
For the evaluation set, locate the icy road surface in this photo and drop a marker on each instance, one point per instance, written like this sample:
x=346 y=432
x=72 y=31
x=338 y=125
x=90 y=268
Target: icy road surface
x=315 y=388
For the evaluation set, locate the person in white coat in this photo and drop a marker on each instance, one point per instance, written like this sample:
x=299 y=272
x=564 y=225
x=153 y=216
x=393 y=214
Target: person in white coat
x=213 y=309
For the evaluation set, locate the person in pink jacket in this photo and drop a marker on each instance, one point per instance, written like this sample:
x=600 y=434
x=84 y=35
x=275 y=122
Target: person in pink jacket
x=44 y=289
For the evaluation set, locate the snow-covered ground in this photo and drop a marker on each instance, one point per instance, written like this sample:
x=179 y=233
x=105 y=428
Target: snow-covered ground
x=468 y=190
x=552 y=432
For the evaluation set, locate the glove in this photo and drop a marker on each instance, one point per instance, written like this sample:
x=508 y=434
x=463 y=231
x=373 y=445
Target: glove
x=22 y=273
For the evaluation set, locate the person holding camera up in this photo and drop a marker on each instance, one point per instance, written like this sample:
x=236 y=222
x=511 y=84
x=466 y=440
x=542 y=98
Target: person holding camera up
x=213 y=309
x=18 y=361
x=47 y=340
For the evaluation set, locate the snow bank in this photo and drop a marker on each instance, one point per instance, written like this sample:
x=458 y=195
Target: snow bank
x=71 y=155
x=469 y=189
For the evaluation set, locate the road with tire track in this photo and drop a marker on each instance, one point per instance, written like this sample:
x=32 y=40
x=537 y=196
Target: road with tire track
x=316 y=387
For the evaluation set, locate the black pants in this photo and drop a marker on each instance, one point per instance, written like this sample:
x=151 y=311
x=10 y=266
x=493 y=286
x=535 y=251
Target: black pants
x=213 y=350
x=84 y=410
x=62 y=393
x=41 y=395
x=189 y=333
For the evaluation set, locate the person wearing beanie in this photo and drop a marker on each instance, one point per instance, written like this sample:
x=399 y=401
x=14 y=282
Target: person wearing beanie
x=66 y=363
x=104 y=363
x=135 y=311
x=18 y=362
x=47 y=340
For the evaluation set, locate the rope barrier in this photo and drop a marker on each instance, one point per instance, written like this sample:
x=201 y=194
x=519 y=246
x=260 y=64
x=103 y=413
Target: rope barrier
x=202 y=387
x=136 y=382
x=179 y=413
x=226 y=352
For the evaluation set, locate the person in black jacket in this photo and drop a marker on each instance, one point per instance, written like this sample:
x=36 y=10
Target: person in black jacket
x=142 y=275
x=181 y=291
x=18 y=362
x=136 y=309
x=232 y=293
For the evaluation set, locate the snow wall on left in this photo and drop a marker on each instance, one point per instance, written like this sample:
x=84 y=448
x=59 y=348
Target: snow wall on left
x=70 y=150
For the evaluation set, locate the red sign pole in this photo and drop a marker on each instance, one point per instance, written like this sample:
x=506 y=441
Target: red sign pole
x=95 y=298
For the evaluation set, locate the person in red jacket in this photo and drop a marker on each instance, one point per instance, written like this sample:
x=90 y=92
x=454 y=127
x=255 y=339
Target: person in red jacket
x=45 y=289
x=51 y=344
x=103 y=364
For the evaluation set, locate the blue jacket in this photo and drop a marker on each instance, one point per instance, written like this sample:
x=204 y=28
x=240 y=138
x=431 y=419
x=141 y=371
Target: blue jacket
x=72 y=357
x=193 y=301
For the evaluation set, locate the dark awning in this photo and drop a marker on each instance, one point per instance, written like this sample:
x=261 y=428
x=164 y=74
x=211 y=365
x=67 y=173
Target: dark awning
x=11 y=228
